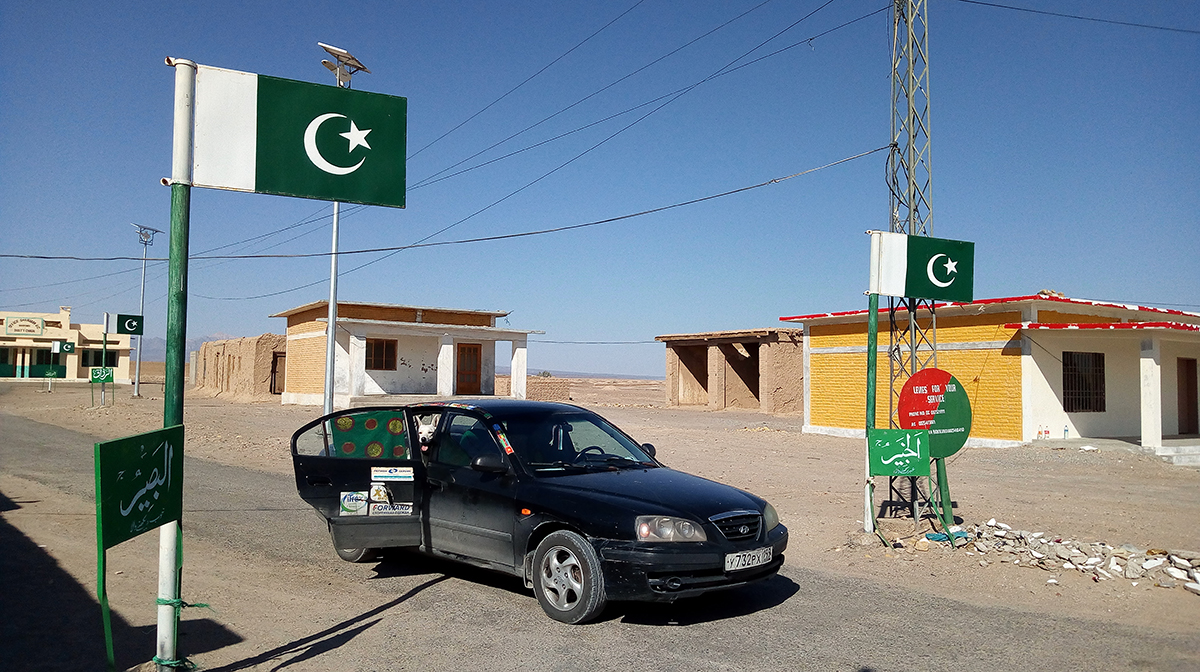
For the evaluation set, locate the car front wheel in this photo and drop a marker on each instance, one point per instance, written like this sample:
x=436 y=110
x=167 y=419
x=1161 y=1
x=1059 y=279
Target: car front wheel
x=567 y=578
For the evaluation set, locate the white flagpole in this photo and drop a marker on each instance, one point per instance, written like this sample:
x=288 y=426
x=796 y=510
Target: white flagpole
x=168 y=534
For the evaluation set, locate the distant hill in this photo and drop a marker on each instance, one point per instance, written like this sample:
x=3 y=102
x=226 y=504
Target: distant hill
x=155 y=349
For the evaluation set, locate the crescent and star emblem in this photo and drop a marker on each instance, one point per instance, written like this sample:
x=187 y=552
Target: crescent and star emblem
x=131 y=324
x=356 y=136
x=950 y=266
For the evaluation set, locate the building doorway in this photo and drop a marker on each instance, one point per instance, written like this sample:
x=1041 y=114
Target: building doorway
x=278 y=372
x=469 y=368
x=1189 y=411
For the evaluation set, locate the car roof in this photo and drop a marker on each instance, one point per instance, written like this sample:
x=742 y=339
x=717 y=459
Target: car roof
x=501 y=406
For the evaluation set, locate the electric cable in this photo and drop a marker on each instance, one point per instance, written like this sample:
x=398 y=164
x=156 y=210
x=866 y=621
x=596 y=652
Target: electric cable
x=527 y=79
x=433 y=179
x=1082 y=18
x=424 y=181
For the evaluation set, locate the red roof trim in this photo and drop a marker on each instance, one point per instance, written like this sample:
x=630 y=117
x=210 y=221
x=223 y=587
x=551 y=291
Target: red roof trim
x=1012 y=299
x=1177 y=326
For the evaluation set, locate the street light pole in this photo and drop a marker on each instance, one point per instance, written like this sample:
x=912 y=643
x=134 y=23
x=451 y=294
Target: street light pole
x=146 y=236
x=342 y=70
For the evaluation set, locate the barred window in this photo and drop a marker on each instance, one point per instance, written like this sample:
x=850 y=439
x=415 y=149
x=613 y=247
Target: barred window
x=45 y=358
x=89 y=358
x=381 y=354
x=1083 y=382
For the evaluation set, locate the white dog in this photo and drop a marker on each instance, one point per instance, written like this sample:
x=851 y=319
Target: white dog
x=425 y=432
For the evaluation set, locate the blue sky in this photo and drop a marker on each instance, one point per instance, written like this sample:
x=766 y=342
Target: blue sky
x=1065 y=149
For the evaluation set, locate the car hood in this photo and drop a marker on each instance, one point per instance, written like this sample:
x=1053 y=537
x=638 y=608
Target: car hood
x=659 y=491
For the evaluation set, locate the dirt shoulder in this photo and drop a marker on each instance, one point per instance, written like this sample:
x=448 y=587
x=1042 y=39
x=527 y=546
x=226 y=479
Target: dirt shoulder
x=1110 y=495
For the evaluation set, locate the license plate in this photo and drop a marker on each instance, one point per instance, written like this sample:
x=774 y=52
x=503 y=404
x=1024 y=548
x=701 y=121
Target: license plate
x=747 y=559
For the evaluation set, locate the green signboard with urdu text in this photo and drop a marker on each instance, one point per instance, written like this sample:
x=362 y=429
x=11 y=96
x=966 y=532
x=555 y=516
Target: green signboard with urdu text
x=139 y=484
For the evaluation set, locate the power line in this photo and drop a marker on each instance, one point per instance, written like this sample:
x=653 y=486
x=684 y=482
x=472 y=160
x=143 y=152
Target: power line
x=430 y=179
x=433 y=179
x=527 y=79
x=524 y=234
x=1082 y=18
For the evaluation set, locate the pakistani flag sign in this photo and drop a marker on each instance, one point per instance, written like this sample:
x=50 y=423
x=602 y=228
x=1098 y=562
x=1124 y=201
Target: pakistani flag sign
x=280 y=136
x=922 y=267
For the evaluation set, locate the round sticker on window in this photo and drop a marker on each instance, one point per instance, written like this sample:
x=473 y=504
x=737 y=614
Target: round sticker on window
x=348 y=447
x=374 y=449
x=396 y=426
x=371 y=424
x=344 y=423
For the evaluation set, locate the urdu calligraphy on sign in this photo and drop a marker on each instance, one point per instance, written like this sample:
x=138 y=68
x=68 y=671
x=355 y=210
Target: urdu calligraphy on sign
x=145 y=499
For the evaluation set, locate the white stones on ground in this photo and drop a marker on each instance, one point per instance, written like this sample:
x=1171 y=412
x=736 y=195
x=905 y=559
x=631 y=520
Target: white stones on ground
x=1093 y=561
x=1177 y=573
x=1038 y=535
x=1001 y=533
x=921 y=545
x=981 y=547
x=1194 y=587
x=1088 y=449
x=1062 y=552
x=1179 y=562
x=1003 y=526
x=1037 y=554
x=1103 y=573
x=991 y=523
x=1052 y=581
x=1112 y=564
x=1152 y=563
x=983 y=563
x=1132 y=571
x=1067 y=565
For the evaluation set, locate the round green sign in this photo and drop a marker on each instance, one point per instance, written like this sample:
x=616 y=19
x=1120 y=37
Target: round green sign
x=934 y=400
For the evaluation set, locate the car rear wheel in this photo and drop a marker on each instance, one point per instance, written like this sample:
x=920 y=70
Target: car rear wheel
x=355 y=554
x=567 y=578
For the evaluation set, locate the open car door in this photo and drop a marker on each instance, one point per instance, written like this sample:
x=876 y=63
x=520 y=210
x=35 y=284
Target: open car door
x=357 y=469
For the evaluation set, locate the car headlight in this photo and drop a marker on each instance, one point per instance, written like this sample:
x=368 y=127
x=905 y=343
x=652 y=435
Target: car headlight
x=770 y=518
x=668 y=528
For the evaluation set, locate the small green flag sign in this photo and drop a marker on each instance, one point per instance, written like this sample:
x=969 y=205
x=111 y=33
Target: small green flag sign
x=139 y=484
x=101 y=374
x=129 y=324
x=280 y=136
x=922 y=267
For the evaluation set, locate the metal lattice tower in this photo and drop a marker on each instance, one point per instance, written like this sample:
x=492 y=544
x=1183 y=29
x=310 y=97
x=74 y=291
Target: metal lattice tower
x=911 y=346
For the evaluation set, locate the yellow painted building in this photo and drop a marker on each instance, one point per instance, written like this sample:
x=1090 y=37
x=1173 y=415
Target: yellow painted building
x=27 y=344
x=1033 y=366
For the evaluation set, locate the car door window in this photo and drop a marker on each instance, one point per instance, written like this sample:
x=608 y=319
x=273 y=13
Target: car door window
x=464 y=439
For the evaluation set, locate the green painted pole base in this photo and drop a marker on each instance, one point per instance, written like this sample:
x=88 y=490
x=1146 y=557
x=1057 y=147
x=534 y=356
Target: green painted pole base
x=943 y=483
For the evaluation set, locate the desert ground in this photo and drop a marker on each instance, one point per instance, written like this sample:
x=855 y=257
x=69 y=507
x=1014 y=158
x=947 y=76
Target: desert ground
x=1112 y=495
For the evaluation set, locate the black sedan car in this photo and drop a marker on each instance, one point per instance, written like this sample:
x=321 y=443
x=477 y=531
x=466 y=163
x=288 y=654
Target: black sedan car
x=548 y=492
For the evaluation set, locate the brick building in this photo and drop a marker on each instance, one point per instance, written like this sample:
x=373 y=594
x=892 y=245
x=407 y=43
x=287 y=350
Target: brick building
x=759 y=369
x=1029 y=364
x=394 y=349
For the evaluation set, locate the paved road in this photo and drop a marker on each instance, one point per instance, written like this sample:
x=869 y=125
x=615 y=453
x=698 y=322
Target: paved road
x=408 y=612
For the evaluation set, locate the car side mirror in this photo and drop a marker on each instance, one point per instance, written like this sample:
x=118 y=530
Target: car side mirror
x=493 y=464
x=649 y=448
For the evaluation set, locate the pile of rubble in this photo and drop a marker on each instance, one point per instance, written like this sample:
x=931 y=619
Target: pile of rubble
x=998 y=541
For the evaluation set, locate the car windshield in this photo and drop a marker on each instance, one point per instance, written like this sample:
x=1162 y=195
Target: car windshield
x=555 y=443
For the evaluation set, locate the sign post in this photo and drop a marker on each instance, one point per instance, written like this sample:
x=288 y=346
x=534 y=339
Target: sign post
x=934 y=400
x=247 y=132
x=139 y=486
x=919 y=267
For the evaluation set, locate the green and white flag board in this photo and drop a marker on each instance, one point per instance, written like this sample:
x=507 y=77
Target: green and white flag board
x=280 y=136
x=921 y=267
